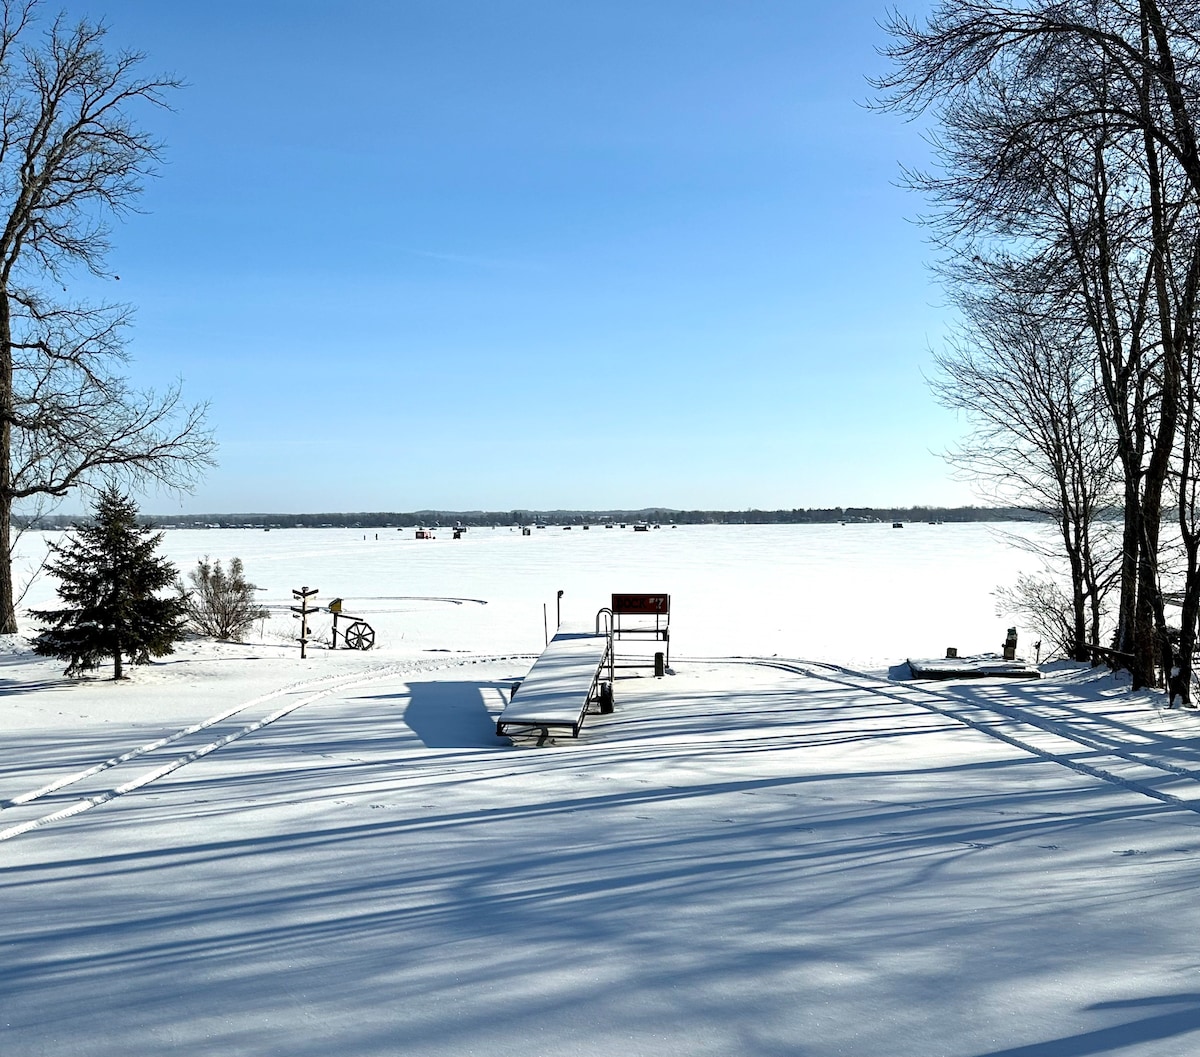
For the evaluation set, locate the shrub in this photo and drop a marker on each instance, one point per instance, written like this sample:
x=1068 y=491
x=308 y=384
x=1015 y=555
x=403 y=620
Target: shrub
x=220 y=604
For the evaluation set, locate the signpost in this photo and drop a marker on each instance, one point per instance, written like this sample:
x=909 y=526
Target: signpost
x=301 y=613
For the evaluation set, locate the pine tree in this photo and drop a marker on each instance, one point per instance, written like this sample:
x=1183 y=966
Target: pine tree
x=110 y=577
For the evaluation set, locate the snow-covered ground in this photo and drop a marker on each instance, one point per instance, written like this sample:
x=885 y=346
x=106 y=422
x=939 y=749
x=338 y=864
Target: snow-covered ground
x=774 y=850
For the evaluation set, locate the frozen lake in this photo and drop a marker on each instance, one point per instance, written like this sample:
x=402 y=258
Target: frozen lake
x=865 y=595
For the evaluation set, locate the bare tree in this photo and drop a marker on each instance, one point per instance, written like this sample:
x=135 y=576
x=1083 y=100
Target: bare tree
x=1072 y=137
x=1039 y=437
x=70 y=157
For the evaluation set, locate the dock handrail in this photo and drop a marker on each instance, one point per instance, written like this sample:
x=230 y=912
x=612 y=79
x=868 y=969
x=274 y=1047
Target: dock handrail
x=1112 y=658
x=607 y=613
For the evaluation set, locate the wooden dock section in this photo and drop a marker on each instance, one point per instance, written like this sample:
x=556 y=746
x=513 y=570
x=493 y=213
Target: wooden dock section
x=563 y=684
x=985 y=666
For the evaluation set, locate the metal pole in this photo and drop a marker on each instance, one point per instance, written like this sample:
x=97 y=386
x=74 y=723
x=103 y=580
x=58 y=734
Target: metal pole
x=559 y=614
x=545 y=624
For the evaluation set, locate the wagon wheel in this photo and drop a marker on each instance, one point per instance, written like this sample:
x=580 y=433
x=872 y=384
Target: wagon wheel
x=359 y=636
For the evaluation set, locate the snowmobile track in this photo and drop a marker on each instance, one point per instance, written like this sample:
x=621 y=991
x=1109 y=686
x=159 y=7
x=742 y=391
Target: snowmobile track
x=310 y=691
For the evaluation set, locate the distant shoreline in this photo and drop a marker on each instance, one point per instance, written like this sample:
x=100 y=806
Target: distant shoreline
x=521 y=516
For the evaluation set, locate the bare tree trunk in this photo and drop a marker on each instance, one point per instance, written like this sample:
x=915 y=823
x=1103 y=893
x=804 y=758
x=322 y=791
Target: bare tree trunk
x=1079 y=610
x=8 y=613
x=1130 y=548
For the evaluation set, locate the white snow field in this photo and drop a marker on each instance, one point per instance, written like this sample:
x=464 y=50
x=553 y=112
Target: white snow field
x=773 y=850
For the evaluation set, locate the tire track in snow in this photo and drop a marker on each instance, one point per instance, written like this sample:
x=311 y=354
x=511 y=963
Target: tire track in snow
x=152 y=746
x=321 y=688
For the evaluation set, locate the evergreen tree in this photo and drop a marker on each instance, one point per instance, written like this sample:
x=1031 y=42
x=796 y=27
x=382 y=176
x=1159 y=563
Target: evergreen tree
x=110 y=578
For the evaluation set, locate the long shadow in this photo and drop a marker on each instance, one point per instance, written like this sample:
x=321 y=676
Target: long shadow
x=1074 y=714
x=1119 y=1036
x=471 y=892
x=925 y=824
x=29 y=758
x=29 y=686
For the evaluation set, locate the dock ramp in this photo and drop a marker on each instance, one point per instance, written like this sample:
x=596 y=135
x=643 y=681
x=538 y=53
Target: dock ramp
x=573 y=674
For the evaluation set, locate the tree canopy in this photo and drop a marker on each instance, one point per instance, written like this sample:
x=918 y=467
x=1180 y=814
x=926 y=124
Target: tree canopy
x=72 y=158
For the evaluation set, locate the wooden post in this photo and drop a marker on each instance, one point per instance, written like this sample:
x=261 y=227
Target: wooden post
x=301 y=612
x=335 y=607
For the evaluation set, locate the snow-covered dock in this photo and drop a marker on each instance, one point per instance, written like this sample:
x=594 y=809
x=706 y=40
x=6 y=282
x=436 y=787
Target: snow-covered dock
x=561 y=686
x=984 y=666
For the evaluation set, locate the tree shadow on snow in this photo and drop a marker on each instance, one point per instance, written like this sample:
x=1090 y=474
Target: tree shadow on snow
x=1159 y=1025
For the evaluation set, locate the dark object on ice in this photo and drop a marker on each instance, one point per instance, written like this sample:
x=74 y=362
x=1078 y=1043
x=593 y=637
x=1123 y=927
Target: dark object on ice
x=1010 y=645
x=951 y=652
x=983 y=666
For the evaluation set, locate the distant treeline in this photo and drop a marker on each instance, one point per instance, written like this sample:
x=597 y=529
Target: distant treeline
x=483 y=518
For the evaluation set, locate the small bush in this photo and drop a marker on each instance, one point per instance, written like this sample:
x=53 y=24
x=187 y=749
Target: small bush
x=220 y=605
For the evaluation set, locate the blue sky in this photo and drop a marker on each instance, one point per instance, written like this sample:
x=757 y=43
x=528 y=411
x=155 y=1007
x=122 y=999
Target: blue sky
x=534 y=253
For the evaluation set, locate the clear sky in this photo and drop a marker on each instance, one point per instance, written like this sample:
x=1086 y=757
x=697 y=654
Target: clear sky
x=534 y=253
